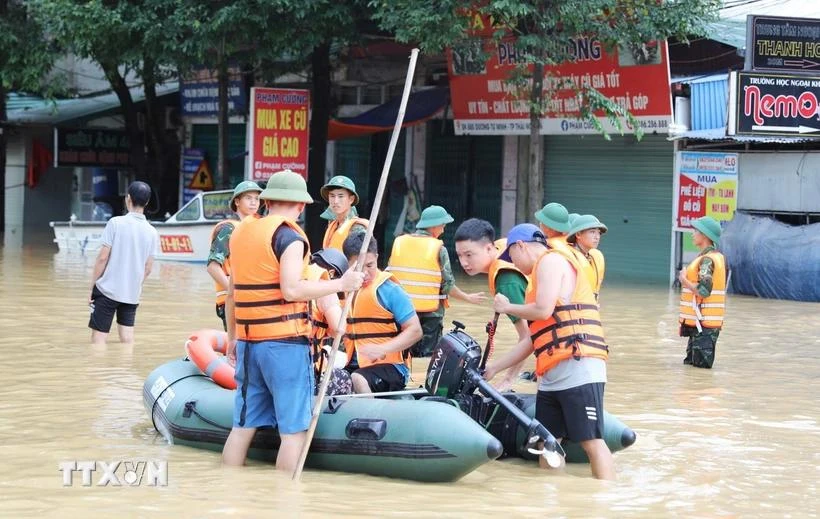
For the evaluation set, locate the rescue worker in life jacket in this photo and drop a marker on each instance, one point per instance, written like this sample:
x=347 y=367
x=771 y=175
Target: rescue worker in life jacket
x=567 y=340
x=584 y=237
x=703 y=295
x=340 y=194
x=382 y=324
x=553 y=220
x=477 y=252
x=245 y=203
x=269 y=323
x=421 y=263
x=325 y=313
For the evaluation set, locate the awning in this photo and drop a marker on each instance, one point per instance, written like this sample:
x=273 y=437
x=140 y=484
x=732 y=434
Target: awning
x=719 y=134
x=421 y=106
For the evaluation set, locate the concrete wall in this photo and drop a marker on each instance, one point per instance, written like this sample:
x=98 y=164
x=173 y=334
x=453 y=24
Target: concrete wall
x=15 y=187
x=779 y=182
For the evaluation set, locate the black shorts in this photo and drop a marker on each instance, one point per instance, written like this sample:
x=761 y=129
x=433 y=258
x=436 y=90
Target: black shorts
x=382 y=377
x=220 y=312
x=575 y=413
x=103 y=309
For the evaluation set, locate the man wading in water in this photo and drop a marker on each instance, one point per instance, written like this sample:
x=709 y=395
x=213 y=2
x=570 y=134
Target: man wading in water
x=703 y=295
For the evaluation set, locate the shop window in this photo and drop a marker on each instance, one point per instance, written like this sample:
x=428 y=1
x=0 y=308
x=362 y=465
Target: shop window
x=372 y=95
x=350 y=95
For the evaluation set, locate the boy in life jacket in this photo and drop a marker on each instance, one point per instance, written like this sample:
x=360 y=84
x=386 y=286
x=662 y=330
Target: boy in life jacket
x=584 y=236
x=269 y=325
x=553 y=220
x=245 y=203
x=421 y=263
x=703 y=295
x=382 y=324
x=325 y=313
x=477 y=252
x=340 y=194
x=567 y=340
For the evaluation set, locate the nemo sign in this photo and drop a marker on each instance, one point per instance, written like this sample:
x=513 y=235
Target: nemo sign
x=175 y=243
x=774 y=104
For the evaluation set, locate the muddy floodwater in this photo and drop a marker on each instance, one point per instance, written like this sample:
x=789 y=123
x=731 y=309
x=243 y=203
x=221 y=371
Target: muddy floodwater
x=740 y=440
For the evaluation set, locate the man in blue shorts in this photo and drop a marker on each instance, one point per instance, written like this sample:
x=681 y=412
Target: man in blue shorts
x=381 y=326
x=267 y=311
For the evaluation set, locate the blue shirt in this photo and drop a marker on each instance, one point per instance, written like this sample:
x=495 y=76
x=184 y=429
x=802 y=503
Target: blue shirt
x=396 y=301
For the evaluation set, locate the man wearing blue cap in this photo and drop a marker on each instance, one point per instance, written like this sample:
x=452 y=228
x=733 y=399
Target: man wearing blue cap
x=703 y=295
x=421 y=263
x=567 y=339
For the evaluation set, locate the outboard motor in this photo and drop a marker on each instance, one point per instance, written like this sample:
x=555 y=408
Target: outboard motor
x=453 y=372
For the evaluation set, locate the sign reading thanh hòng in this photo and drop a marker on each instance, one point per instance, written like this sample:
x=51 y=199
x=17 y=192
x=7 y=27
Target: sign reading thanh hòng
x=706 y=185
x=778 y=44
x=278 y=132
x=774 y=104
x=486 y=103
x=92 y=148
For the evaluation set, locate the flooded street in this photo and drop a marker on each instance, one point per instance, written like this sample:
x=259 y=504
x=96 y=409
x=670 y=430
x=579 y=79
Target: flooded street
x=737 y=441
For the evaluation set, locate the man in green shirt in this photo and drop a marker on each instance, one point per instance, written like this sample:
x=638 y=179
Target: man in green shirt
x=478 y=254
x=421 y=263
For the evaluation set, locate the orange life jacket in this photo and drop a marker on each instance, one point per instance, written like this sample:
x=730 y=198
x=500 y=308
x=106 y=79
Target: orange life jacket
x=222 y=292
x=496 y=267
x=370 y=323
x=336 y=234
x=262 y=313
x=414 y=261
x=317 y=318
x=710 y=308
x=574 y=329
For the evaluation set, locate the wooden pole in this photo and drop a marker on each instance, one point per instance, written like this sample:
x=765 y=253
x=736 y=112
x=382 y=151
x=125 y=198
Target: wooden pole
x=320 y=399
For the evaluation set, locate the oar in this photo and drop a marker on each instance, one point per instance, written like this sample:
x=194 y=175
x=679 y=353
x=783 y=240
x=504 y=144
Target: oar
x=320 y=398
x=488 y=350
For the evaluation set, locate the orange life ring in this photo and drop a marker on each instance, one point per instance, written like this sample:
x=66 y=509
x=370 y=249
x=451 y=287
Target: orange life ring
x=202 y=348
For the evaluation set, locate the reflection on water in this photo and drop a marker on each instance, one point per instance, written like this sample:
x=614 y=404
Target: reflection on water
x=739 y=440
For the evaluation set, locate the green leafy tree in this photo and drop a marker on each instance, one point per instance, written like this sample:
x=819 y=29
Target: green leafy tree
x=26 y=57
x=128 y=39
x=542 y=29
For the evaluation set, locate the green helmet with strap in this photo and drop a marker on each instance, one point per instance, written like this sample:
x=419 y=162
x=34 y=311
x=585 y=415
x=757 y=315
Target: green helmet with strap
x=339 y=182
x=241 y=188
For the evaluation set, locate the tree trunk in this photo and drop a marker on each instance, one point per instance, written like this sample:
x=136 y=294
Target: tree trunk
x=129 y=113
x=163 y=178
x=223 y=169
x=535 y=184
x=317 y=156
x=3 y=160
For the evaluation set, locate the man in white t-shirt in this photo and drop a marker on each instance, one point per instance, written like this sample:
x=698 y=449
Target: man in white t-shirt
x=129 y=244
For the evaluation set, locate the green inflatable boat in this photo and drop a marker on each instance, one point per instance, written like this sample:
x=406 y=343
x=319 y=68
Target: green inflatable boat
x=409 y=439
x=433 y=434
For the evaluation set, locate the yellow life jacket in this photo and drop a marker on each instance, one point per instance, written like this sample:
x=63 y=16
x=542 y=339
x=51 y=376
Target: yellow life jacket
x=496 y=267
x=415 y=263
x=592 y=266
x=559 y=243
x=500 y=244
x=262 y=313
x=710 y=308
x=574 y=329
x=222 y=292
x=370 y=323
x=336 y=234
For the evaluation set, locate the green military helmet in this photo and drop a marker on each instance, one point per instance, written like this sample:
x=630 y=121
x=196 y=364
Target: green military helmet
x=242 y=188
x=287 y=186
x=582 y=223
x=572 y=217
x=555 y=216
x=340 y=181
x=709 y=227
x=434 y=216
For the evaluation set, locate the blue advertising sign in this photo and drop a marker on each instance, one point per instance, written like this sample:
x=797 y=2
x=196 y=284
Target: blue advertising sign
x=191 y=159
x=199 y=93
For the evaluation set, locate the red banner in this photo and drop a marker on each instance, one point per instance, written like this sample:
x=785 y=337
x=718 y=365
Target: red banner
x=278 y=131
x=485 y=102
